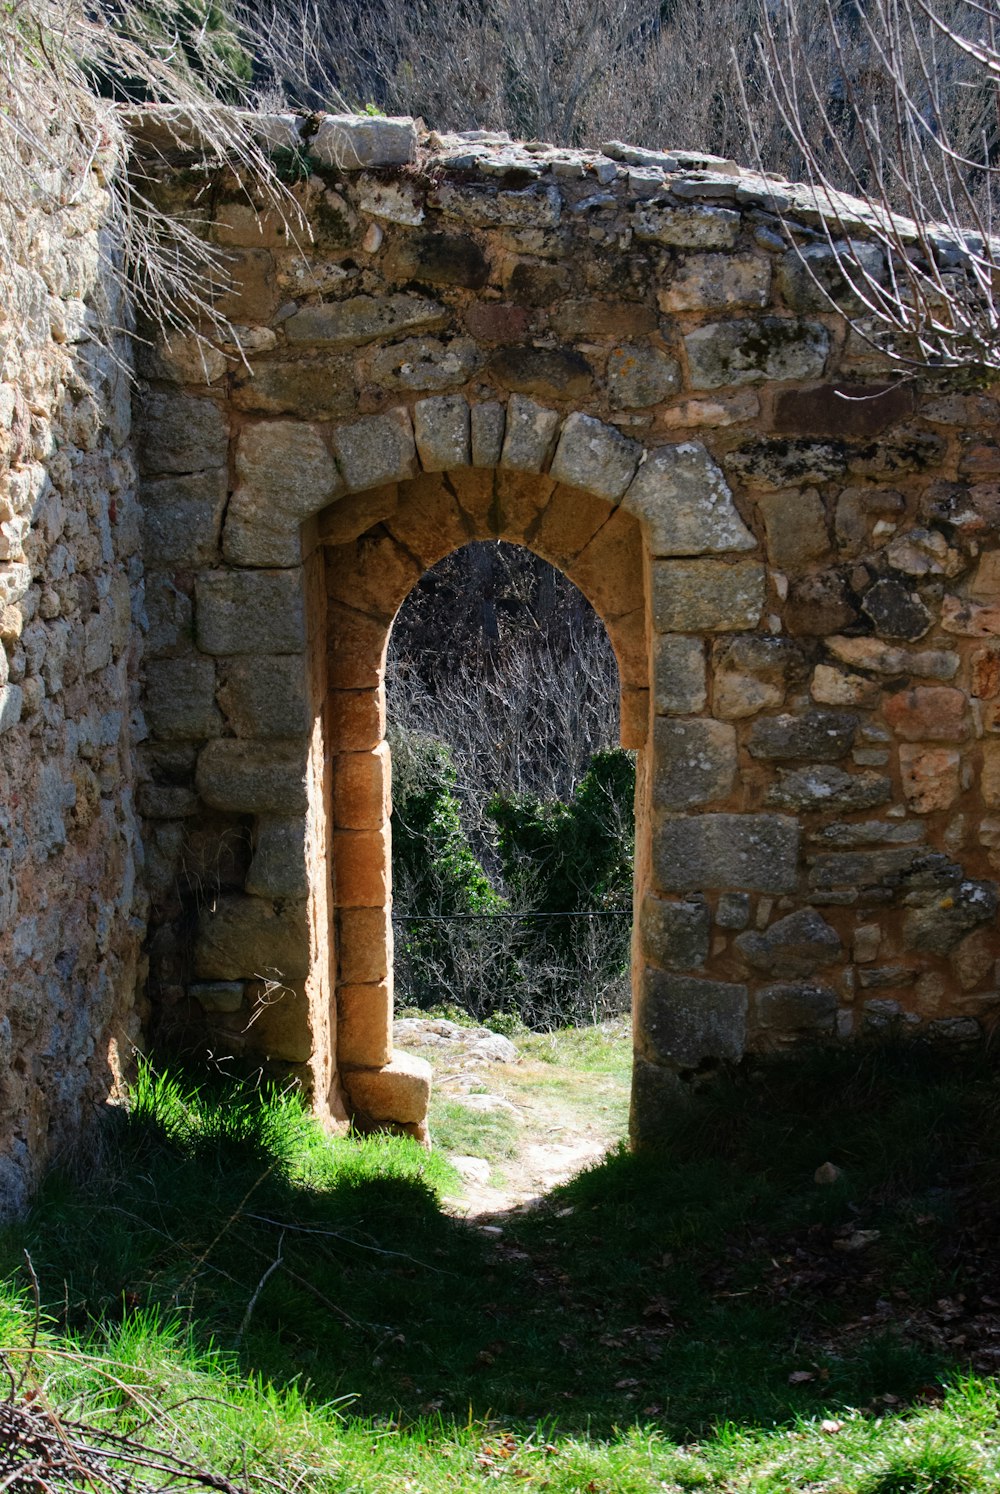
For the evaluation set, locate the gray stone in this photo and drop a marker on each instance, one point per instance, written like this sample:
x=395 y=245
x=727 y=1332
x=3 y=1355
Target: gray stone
x=938 y=926
x=376 y=450
x=707 y=596
x=252 y=777
x=862 y=870
x=694 y=761
x=882 y=977
x=352 y=141
x=284 y=474
x=264 y=695
x=821 y=735
x=713 y=281
x=219 y=996
x=441 y=259
x=753 y=852
x=809 y=271
x=872 y=833
x=181 y=433
x=755 y=350
x=442 y=429
x=694 y=227
x=534 y=207
x=245 y=937
x=594 y=456
x=552 y=373
x=182 y=519
x=794 y=946
x=685 y=504
x=639 y=376
x=319 y=388
x=685 y=1021
x=423 y=363
x=169 y=616
x=658 y=1095
x=786 y=1007
x=733 y=910
x=250 y=612
x=11 y=705
x=488 y=422
x=828 y=788
x=362 y=319
x=530 y=435
x=675 y=935
x=896 y=611
x=955 y=1030
x=771 y=465
x=278 y=868
x=166 y=801
x=180 y=698
x=679 y=687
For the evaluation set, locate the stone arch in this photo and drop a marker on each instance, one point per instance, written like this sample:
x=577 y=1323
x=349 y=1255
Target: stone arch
x=323 y=539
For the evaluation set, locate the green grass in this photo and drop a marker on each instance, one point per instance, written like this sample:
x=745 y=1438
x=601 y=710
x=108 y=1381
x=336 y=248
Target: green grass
x=680 y=1320
x=490 y=1134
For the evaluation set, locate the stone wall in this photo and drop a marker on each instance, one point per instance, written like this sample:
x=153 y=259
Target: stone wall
x=71 y=912
x=619 y=360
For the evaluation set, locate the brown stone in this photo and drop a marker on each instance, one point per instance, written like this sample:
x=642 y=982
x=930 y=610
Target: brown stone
x=850 y=411
x=521 y=497
x=254 y=296
x=241 y=937
x=930 y=777
x=990 y=783
x=974 y=958
x=373 y=575
x=440 y=259
x=551 y=373
x=818 y=604
x=985 y=673
x=609 y=570
x=568 y=523
x=634 y=719
x=356 y=719
x=795 y=524
x=364 y=1024
x=361 y=785
x=344 y=520
x=280 y=1022
x=928 y=713
x=361 y=867
x=364 y=946
x=970 y=619
x=399 y=1092
x=355 y=649
x=576 y=319
x=428 y=521
x=495 y=321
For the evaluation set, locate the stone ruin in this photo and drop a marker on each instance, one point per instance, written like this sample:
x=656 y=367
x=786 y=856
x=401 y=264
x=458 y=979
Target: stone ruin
x=623 y=360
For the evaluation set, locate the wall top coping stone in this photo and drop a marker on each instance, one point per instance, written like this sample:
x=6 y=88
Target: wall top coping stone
x=357 y=142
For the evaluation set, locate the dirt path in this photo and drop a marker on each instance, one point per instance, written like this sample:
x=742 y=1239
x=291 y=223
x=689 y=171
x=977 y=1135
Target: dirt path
x=518 y=1121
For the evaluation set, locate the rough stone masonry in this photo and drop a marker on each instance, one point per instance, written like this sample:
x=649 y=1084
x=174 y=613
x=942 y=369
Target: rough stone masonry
x=623 y=360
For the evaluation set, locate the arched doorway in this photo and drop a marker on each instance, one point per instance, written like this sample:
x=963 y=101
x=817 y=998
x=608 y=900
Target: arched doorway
x=377 y=546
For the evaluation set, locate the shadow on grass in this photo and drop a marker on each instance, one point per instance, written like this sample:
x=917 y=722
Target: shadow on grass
x=713 y=1280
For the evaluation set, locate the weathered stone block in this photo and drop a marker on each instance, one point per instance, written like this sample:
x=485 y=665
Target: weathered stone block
x=703 y=282
x=252 y=777
x=685 y=1021
x=679 y=687
x=424 y=363
x=533 y=207
x=242 y=937
x=351 y=141
x=639 y=376
x=576 y=320
x=442 y=431
x=685 y=504
x=862 y=870
x=280 y=1025
x=441 y=259
x=733 y=910
x=848 y=411
x=181 y=433
x=928 y=713
x=356 y=719
x=694 y=761
x=218 y=996
x=361 y=867
x=180 y=698
x=753 y=852
x=812 y=278
x=361 y=789
x=364 y=1025
x=821 y=735
x=11 y=706
x=796 y=945
x=772 y=465
x=250 y=612
x=795 y=524
x=552 y=373
x=487 y=421
x=594 y=456
x=753 y=351
x=362 y=319
x=264 y=695
x=285 y=474
x=795 y=1009
x=690 y=227
x=278 y=868
x=931 y=777
x=675 y=935
x=896 y=611
x=318 y=388
x=182 y=519
x=377 y=450
x=365 y=945
x=530 y=435
x=398 y=1092
x=828 y=789
x=706 y=596
x=883 y=658
x=938 y=926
